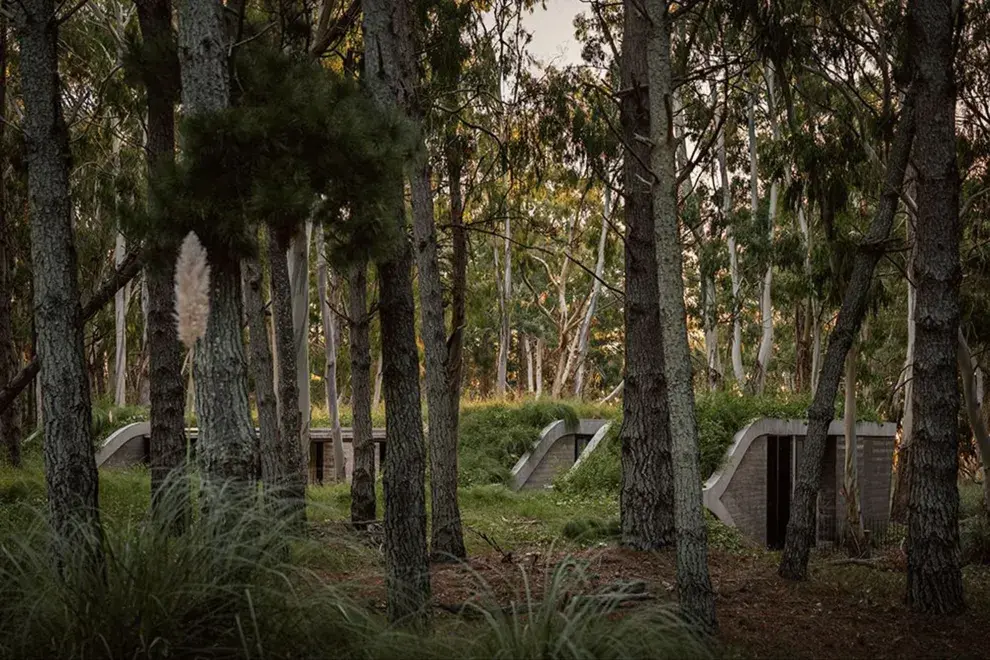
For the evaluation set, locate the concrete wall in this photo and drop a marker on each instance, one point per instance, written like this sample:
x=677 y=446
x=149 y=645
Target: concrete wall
x=746 y=496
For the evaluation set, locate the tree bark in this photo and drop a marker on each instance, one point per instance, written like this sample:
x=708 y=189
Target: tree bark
x=120 y=327
x=800 y=527
x=292 y=472
x=226 y=446
x=298 y=268
x=10 y=428
x=447 y=537
x=934 y=576
x=70 y=465
x=505 y=295
x=738 y=371
x=329 y=321
x=694 y=585
x=363 y=506
x=388 y=43
x=646 y=499
x=458 y=294
x=902 y=481
x=262 y=372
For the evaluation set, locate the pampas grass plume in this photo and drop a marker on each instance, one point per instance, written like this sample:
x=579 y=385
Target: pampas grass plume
x=192 y=290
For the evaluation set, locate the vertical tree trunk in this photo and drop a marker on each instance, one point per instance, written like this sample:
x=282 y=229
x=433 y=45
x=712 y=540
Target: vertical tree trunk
x=965 y=359
x=738 y=371
x=226 y=445
x=934 y=577
x=584 y=334
x=539 y=367
x=800 y=527
x=902 y=480
x=166 y=389
x=263 y=373
x=363 y=473
x=329 y=320
x=850 y=478
x=70 y=466
x=458 y=294
x=143 y=384
x=505 y=295
x=298 y=265
x=292 y=474
x=10 y=428
x=528 y=350
x=446 y=538
x=120 y=325
x=694 y=585
x=379 y=375
x=388 y=42
x=646 y=500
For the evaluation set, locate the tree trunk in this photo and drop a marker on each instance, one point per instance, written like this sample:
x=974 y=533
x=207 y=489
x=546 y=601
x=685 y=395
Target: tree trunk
x=934 y=577
x=505 y=294
x=329 y=319
x=738 y=371
x=694 y=585
x=528 y=351
x=584 y=333
x=263 y=373
x=292 y=473
x=965 y=359
x=539 y=367
x=226 y=445
x=850 y=481
x=378 y=379
x=10 y=428
x=800 y=527
x=363 y=473
x=298 y=268
x=646 y=500
x=447 y=538
x=388 y=47
x=902 y=481
x=143 y=384
x=458 y=294
x=120 y=327
x=70 y=466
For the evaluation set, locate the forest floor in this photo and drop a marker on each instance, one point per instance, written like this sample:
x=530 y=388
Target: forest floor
x=843 y=611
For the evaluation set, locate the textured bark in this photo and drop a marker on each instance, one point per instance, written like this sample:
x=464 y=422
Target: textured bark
x=70 y=465
x=290 y=482
x=262 y=372
x=738 y=371
x=298 y=264
x=329 y=321
x=696 y=596
x=388 y=41
x=446 y=537
x=934 y=577
x=505 y=294
x=363 y=505
x=10 y=428
x=226 y=446
x=646 y=500
x=800 y=527
x=377 y=399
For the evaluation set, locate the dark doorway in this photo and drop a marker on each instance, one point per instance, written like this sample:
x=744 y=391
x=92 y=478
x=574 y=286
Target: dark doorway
x=319 y=458
x=778 y=489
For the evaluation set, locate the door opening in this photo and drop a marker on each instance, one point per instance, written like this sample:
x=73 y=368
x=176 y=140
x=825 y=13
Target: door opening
x=779 y=478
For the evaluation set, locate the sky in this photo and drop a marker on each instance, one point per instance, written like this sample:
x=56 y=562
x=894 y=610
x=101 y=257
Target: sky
x=553 y=32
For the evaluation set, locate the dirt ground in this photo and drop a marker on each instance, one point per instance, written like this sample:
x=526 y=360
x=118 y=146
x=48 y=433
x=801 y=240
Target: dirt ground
x=843 y=611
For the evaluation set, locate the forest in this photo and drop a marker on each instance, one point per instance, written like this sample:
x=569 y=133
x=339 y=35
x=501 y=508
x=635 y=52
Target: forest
x=364 y=329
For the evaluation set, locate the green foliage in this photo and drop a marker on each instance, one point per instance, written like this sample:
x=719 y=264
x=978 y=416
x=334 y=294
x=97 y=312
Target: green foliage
x=107 y=418
x=493 y=436
x=720 y=416
x=297 y=137
x=571 y=619
x=974 y=539
x=591 y=530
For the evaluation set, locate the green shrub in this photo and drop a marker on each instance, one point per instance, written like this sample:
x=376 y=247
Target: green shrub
x=107 y=418
x=970 y=499
x=974 y=537
x=574 y=620
x=493 y=436
x=591 y=530
x=720 y=416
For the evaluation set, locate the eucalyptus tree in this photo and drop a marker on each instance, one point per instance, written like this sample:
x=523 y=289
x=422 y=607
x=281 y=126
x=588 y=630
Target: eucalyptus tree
x=10 y=427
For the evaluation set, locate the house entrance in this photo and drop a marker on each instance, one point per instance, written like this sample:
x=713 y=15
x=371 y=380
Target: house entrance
x=779 y=479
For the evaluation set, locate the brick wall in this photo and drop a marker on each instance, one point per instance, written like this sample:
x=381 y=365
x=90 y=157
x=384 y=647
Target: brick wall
x=746 y=496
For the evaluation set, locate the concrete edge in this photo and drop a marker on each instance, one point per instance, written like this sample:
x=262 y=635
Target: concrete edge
x=592 y=445
x=119 y=439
